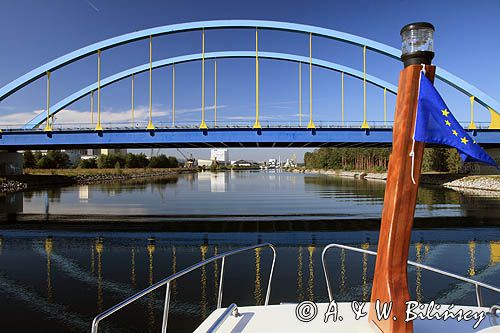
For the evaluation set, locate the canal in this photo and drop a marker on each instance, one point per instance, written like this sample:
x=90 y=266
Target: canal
x=67 y=254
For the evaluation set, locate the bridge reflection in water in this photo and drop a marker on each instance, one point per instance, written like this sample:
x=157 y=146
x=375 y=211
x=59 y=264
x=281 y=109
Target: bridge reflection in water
x=66 y=261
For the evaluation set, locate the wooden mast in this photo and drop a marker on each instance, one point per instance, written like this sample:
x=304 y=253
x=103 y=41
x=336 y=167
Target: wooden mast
x=390 y=282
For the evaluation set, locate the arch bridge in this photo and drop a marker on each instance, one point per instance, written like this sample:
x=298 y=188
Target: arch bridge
x=43 y=132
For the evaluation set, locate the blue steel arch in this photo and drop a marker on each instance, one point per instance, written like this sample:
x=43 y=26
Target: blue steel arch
x=41 y=117
x=386 y=50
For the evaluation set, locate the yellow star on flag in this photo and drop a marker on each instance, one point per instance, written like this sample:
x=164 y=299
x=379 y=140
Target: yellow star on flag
x=447 y=123
x=445 y=113
x=464 y=140
x=455 y=133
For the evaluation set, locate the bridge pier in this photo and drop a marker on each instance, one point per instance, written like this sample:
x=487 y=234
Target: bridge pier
x=11 y=163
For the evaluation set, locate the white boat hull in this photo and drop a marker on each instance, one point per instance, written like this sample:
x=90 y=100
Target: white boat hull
x=283 y=318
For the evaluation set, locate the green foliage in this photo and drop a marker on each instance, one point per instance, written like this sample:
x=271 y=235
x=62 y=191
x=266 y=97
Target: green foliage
x=90 y=163
x=441 y=160
x=136 y=161
x=377 y=159
x=162 y=161
x=453 y=161
x=368 y=159
x=172 y=161
x=109 y=161
x=29 y=159
x=54 y=159
x=435 y=159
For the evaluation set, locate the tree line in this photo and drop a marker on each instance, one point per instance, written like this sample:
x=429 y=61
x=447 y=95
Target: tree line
x=377 y=159
x=55 y=159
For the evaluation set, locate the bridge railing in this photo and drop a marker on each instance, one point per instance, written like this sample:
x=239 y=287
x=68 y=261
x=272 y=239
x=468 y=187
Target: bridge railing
x=211 y=125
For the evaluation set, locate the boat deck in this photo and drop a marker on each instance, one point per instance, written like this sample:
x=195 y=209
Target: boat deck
x=282 y=318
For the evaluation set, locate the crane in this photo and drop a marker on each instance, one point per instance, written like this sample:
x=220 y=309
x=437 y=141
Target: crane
x=190 y=162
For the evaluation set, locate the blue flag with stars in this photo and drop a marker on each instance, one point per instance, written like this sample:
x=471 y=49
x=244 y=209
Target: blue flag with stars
x=436 y=124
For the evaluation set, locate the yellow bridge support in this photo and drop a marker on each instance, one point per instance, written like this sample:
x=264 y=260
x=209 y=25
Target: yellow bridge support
x=150 y=124
x=98 y=126
x=132 y=102
x=385 y=106
x=342 y=96
x=494 y=252
x=48 y=128
x=92 y=108
x=215 y=93
x=311 y=123
x=173 y=95
x=472 y=125
x=365 y=124
x=203 y=125
x=495 y=119
x=300 y=94
x=256 y=125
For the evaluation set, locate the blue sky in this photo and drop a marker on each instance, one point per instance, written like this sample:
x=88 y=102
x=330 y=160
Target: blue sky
x=35 y=32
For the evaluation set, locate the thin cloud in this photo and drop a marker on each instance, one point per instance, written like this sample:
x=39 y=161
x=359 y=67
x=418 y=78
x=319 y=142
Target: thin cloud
x=108 y=116
x=94 y=7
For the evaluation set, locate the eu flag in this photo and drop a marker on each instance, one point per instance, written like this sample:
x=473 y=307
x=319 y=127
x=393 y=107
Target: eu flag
x=436 y=124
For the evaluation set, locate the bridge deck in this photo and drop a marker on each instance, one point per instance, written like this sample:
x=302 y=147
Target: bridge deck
x=218 y=137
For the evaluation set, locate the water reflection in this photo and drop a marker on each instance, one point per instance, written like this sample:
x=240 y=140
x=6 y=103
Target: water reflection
x=133 y=277
x=191 y=299
x=418 y=282
x=472 y=258
x=365 y=246
x=83 y=193
x=11 y=203
x=99 y=248
x=151 y=315
x=300 y=275
x=310 y=284
x=203 y=300
x=249 y=195
x=494 y=252
x=48 y=251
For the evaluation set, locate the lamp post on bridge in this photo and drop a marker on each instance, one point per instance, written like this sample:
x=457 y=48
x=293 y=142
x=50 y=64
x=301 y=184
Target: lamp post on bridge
x=390 y=282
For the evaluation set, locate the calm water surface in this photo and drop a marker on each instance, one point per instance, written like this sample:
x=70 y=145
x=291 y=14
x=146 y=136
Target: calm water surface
x=67 y=254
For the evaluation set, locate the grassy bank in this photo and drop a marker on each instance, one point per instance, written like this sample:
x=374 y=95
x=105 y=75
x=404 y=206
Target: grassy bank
x=112 y=171
x=45 y=178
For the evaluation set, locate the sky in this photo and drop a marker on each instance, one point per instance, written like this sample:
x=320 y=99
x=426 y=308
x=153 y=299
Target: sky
x=35 y=32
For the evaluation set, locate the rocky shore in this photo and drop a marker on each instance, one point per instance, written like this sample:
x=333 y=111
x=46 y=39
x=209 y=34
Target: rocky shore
x=457 y=182
x=16 y=183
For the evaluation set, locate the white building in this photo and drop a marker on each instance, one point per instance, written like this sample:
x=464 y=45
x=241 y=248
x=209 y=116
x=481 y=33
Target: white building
x=221 y=156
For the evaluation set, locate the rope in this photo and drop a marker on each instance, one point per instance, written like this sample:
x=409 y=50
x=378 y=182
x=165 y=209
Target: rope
x=412 y=153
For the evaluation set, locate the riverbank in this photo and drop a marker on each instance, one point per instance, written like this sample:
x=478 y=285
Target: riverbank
x=44 y=178
x=456 y=182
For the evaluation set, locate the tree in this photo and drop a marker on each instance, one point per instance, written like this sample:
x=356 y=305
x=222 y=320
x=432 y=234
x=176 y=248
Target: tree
x=173 y=162
x=44 y=163
x=29 y=159
x=131 y=161
x=90 y=163
x=435 y=159
x=54 y=159
x=109 y=161
x=453 y=161
x=160 y=161
x=375 y=159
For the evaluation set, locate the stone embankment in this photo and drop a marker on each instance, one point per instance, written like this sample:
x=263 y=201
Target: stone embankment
x=489 y=183
x=11 y=186
x=454 y=181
